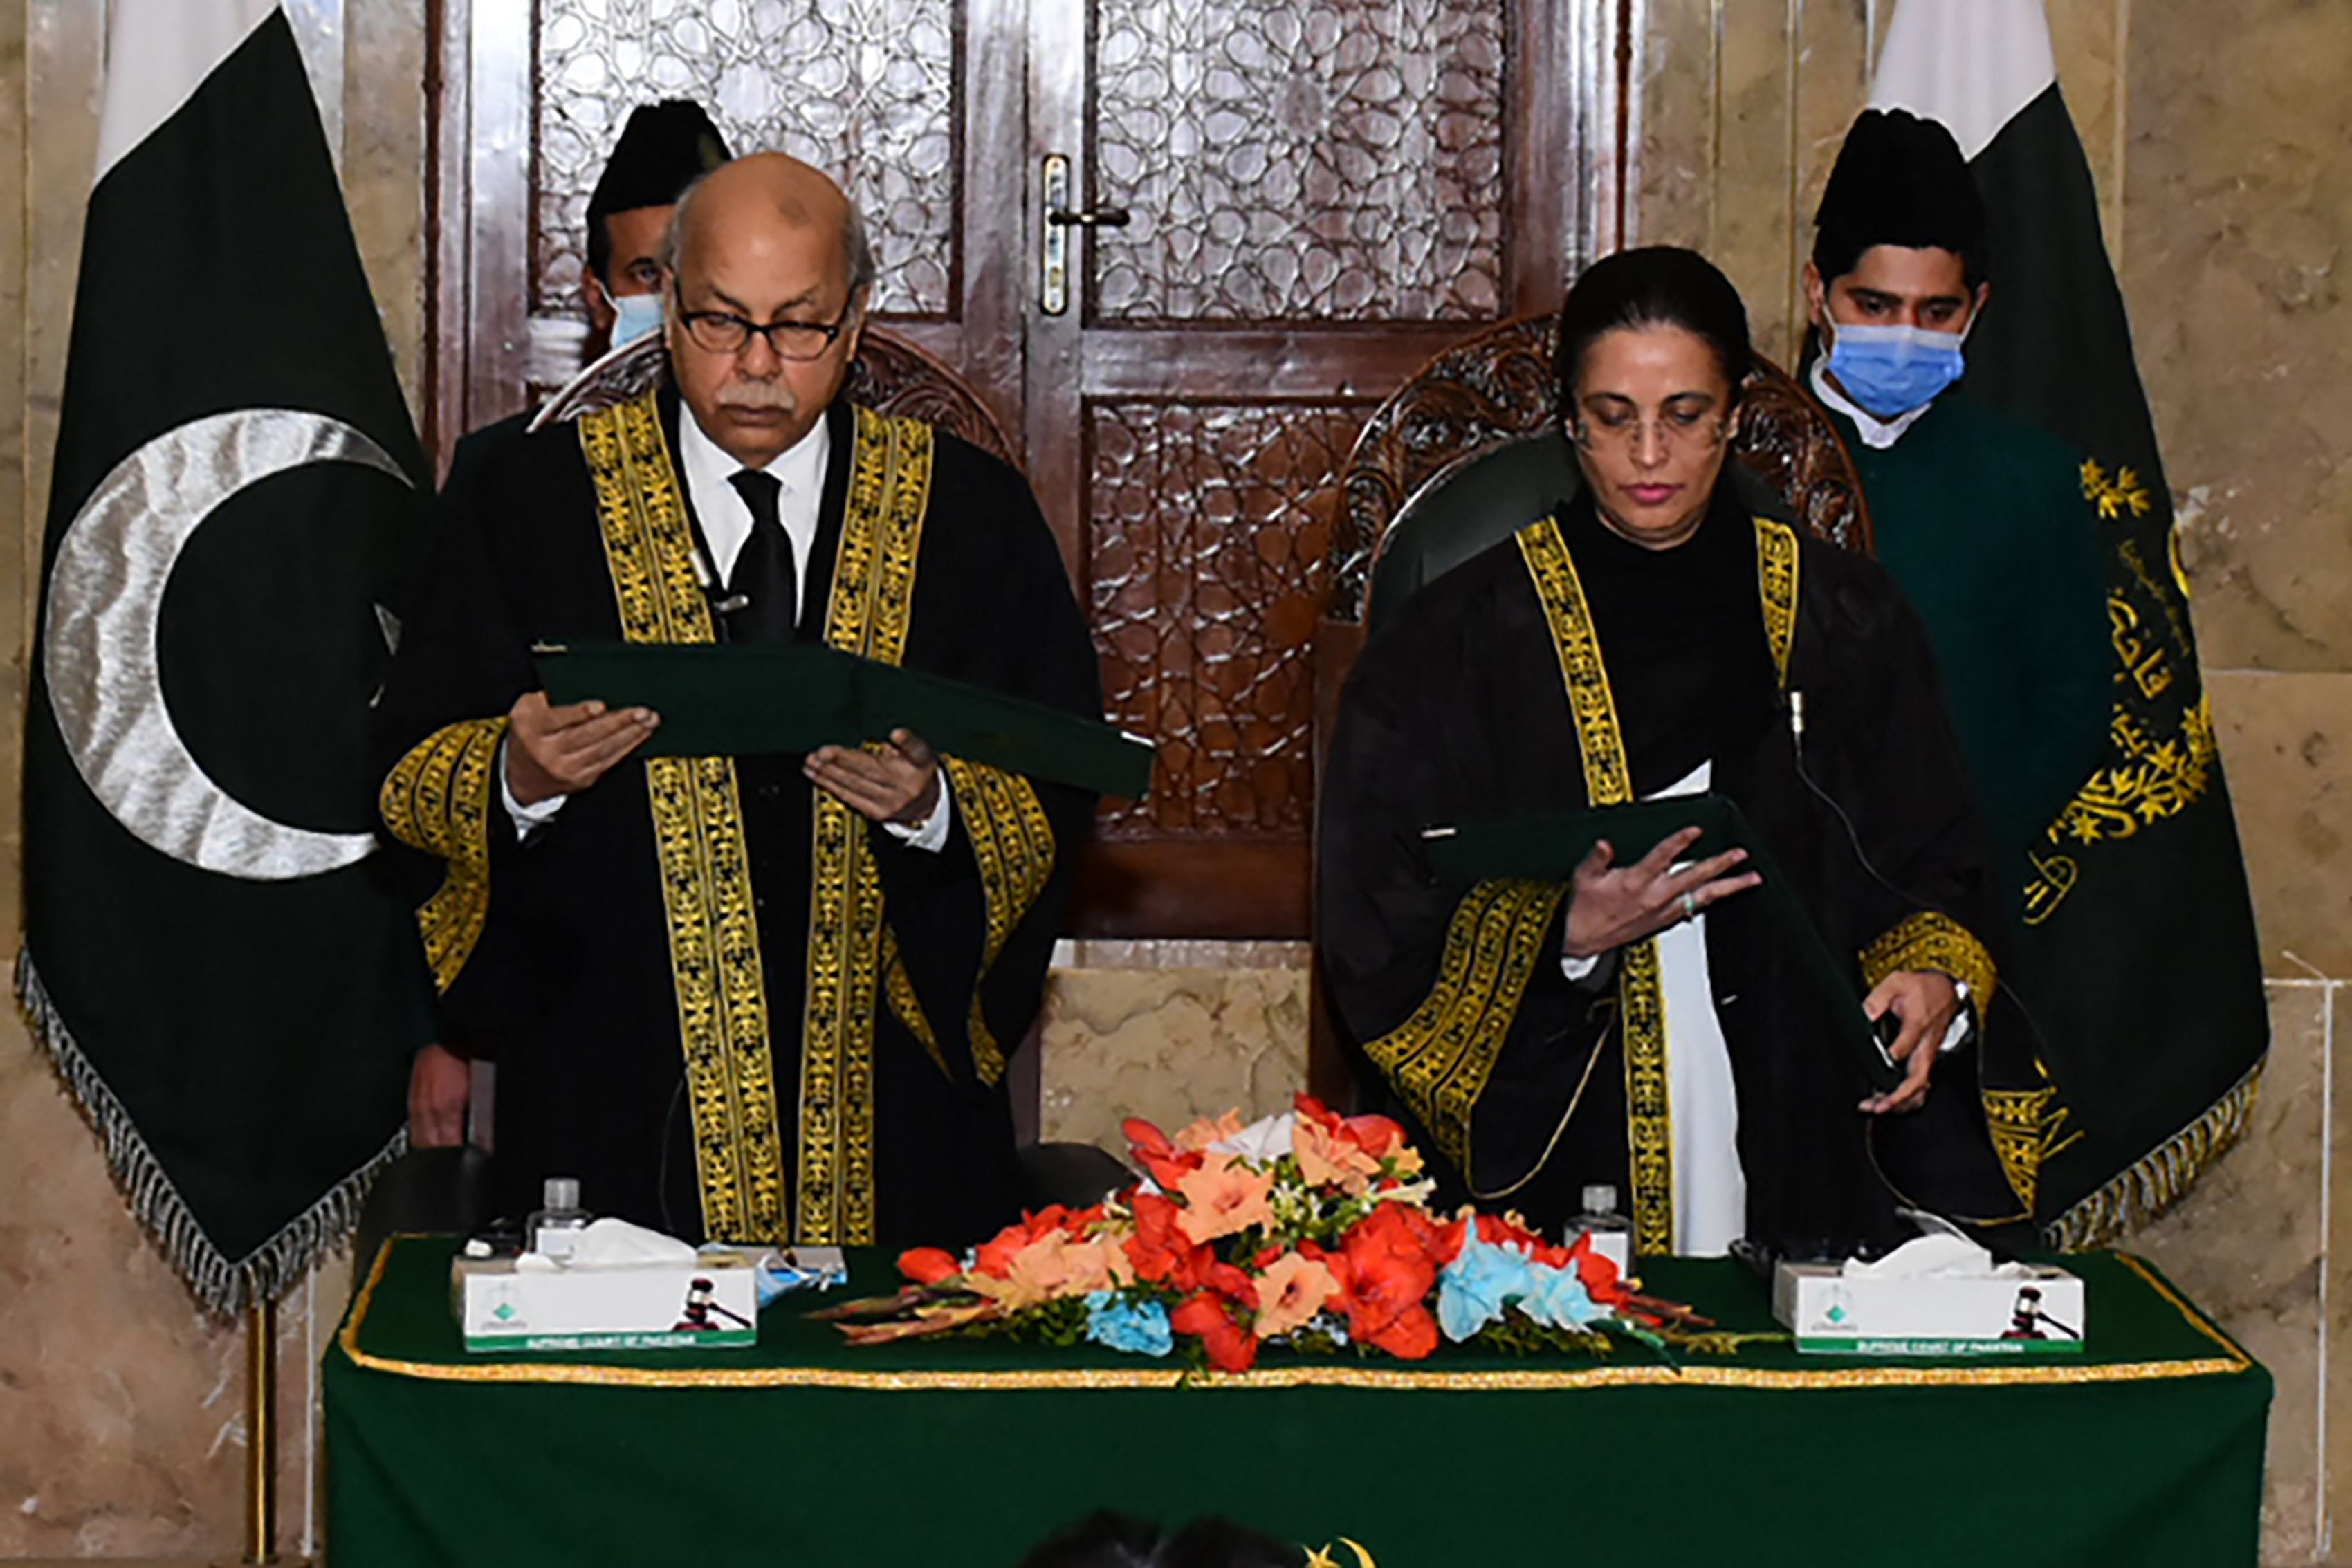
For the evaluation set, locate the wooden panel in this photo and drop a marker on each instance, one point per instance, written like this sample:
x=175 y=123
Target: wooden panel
x=1208 y=529
x=863 y=88
x=1288 y=161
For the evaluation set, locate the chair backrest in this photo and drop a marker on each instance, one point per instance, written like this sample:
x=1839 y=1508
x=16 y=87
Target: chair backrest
x=893 y=376
x=1469 y=449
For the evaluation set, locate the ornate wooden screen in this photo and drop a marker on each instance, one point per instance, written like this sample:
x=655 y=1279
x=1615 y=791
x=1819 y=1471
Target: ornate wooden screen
x=1318 y=196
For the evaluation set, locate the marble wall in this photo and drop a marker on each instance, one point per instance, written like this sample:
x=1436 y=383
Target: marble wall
x=2226 y=202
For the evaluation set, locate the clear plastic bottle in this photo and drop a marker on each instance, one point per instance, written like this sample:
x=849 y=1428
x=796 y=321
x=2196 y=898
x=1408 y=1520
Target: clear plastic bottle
x=1611 y=1232
x=554 y=1230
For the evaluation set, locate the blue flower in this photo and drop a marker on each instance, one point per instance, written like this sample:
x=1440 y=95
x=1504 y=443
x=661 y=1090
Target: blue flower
x=1559 y=1299
x=1139 y=1328
x=1476 y=1287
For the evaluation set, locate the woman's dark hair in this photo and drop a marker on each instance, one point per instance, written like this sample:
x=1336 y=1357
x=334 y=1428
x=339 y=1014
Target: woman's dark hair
x=1109 y=1540
x=1656 y=286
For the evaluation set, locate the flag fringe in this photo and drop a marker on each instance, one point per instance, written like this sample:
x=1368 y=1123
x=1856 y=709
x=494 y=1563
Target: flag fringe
x=2161 y=1178
x=225 y=1286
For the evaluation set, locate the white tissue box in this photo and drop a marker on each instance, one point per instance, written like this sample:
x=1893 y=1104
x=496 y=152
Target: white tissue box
x=705 y=1303
x=2026 y=1311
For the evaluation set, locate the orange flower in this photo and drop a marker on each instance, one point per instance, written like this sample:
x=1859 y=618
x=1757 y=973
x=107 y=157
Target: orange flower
x=1221 y=1198
x=1328 y=1157
x=1204 y=1132
x=1291 y=1290
x=1053 y=1265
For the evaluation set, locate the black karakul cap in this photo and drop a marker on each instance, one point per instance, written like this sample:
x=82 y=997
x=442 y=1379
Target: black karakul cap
x=1900 y=179
x=665 y=148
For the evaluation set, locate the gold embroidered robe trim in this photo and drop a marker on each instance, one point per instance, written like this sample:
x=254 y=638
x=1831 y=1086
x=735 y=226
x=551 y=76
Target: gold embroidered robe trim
x=1933 y=941
x=1013 y=843
x=697 y=821
x=437 y=799
x=1776 y=577
x=1609 y=782
x=1441 y=1058
x=871 y=606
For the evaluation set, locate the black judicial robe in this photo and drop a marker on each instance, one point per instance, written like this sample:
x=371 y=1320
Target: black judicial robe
x=727 y=1003
x=1522 y=1082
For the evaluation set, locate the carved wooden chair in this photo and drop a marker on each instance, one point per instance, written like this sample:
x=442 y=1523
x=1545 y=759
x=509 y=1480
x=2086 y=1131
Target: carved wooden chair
x=1469 y=450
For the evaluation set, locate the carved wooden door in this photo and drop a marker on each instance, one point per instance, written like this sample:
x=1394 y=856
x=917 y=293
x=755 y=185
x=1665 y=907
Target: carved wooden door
x=1318 y=195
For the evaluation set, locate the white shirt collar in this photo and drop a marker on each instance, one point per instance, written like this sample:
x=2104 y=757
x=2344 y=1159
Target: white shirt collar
x=707 y=470
x=1876 y=434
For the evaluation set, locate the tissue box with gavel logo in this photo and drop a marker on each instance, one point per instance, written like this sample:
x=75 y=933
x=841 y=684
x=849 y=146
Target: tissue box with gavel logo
x=624 y=1288
x=1935 y=1296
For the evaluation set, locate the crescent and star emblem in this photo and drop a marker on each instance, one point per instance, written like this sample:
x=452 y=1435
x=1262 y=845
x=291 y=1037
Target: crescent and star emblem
x=98 y=639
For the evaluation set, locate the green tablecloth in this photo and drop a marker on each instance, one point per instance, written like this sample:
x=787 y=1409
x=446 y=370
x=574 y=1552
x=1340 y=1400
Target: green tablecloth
x=804 y=1450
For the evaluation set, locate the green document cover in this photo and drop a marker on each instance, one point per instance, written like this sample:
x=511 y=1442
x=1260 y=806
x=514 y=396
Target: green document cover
x=1550 y=849
x=722 y=700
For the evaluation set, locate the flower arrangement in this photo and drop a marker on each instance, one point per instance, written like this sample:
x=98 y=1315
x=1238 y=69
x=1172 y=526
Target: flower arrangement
x=1309 y=1229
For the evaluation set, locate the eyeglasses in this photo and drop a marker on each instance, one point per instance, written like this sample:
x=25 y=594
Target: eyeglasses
x=1632 y=431
x=723 y=332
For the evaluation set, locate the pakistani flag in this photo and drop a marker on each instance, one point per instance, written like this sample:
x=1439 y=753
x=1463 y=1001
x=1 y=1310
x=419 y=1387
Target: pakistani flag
x=210 y=956
x=2139 y=930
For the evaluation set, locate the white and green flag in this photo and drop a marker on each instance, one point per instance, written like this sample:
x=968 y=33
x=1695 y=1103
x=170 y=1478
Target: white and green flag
x=211 y=955
x=2150 y=1004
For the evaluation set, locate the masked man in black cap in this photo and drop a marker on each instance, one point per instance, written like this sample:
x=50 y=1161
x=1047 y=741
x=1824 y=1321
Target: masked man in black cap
x=665 y=148
x=1980 y=517
x=757 y=997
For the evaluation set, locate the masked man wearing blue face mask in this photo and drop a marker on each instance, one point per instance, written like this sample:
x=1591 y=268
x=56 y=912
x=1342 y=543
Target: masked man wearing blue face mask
x=1980 y=517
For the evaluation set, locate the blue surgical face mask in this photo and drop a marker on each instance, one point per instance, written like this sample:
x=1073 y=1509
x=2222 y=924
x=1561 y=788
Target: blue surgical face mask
x=1890 y=371
x=635 y=316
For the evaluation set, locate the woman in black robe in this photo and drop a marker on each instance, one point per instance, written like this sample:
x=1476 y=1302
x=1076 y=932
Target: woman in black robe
x=1643 y=1025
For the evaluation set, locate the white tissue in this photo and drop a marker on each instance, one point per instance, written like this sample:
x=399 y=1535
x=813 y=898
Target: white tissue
x=1940 y=1255
x=618 y=1244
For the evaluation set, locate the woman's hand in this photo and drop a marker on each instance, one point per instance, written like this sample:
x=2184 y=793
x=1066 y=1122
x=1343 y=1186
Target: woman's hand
x=1925 y=1003
x=1610 y=905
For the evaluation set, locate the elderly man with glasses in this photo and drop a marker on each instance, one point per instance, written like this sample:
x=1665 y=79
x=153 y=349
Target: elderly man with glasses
x=758 y=998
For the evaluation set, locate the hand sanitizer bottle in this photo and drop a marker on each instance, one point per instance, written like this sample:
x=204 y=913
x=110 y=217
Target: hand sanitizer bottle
x=554 y=1230
x=1611 y=1232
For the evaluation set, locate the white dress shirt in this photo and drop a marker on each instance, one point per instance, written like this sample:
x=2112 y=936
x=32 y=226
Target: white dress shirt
x=706 y=472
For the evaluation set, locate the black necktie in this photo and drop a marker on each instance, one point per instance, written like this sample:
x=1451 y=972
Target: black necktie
x=764 y=571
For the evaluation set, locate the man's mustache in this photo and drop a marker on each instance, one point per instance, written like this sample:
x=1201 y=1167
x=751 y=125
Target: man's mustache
x=759 y=395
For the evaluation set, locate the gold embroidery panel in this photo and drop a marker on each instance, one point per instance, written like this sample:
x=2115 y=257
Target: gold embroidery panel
x=1608 y=782
x=697 y=823
x=1776 y=578
x=870 y=610
x=1936 y=943
x=437 y=798
x=1013 y=843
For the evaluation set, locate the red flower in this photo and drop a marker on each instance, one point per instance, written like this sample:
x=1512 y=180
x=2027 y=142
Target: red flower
x=1159 y=1249
x=1598 y=1274
x=927 y=1265
x=1230 y=1283
x=1388 y=1265
x=1167 y=1163
x=995 y=1255
x=1205 y=1316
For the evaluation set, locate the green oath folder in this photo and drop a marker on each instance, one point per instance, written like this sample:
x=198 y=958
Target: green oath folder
x=735 y=700
x=1550 y=849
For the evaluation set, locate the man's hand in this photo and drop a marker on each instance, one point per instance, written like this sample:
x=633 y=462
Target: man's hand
x=439 y=1084
x=1926 y=1003
x=899 y=783
x=554 y=751
x=1610 y=907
